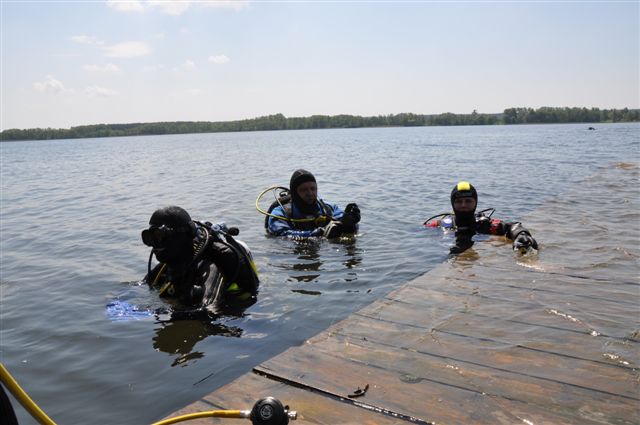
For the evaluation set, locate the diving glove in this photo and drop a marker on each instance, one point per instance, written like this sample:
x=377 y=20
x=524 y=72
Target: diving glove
x=332 y=230
x=523 y=241
x=351 y=214
x=463 y=242
x=460 y=247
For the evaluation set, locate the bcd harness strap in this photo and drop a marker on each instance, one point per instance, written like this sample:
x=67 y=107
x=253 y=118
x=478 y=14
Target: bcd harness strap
x=321 y=220
x=200 y=245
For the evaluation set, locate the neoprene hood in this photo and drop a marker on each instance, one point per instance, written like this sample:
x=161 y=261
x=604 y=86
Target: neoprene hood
x=463 y=190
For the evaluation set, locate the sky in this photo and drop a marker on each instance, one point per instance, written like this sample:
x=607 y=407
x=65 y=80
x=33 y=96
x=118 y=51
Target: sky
x=70 y=63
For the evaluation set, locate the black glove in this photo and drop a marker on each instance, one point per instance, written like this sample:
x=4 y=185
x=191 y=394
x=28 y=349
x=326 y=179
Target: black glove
x=333 y=229
x=523 y=241
x=351 y=214
x=463 y=242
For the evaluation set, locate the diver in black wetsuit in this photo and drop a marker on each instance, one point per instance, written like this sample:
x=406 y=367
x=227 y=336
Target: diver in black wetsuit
x=464 y=200
x=201 y=265
x=301 y=214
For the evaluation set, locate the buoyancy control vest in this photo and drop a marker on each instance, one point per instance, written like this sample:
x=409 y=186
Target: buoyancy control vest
x=286 y=203
x=201 y=281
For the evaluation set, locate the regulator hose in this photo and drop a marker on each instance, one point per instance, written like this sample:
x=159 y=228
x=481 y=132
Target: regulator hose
x=29 y=405
x=233 y=414
x=266 y=411
x=436 y=216
x=268 y=214
x=479 y=213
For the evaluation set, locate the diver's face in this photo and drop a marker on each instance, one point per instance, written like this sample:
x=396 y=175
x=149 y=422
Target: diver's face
x=173 y=246
x=464 y=205
x=308 y=192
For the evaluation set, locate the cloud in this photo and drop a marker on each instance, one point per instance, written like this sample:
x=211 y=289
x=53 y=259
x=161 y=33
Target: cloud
x=188 y=65
x=49 y=85
x=127 y=49
x=96 y=91
x=219 y=59
x=195 y=92
x=125 y=5
x=174 y=7
x=153 y=68
x=87 y=39
x=168 y=7
x=106 y=69
x=226 y=4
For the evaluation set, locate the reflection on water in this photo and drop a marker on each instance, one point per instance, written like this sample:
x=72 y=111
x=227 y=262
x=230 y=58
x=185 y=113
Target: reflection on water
x=307 y=261
x=352 y=256
x=180 y=337
x=304 y=262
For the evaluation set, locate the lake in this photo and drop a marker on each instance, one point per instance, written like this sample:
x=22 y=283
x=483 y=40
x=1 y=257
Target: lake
x=72 y=212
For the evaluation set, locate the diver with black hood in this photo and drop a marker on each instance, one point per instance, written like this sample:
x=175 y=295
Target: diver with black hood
x=200 y=265
x=466 y=222
x=299 y=213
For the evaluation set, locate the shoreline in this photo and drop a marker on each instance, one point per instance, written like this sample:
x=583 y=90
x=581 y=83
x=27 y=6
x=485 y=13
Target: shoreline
x=278 y=122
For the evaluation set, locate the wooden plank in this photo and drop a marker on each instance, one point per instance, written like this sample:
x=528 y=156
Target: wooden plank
x=312 y=408
x=553 y=313
x=425 y=398
x=603 y=377
x=525 y=330
x=591 y=306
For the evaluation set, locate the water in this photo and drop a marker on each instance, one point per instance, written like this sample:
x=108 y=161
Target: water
x=72 y=212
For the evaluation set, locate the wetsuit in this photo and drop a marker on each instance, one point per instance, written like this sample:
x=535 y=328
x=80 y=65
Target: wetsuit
x=220 y=274
x=324 y=213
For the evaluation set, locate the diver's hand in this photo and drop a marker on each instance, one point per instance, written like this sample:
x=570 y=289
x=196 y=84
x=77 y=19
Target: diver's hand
x=463 y=242
x=460 y=247
x=332 y=230
x=523 y=241
x=353 y=212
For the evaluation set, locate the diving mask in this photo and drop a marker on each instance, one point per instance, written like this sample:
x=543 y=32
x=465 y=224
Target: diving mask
x=157 y=236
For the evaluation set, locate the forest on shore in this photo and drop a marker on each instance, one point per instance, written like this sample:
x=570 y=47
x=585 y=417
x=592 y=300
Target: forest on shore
x=546 y=115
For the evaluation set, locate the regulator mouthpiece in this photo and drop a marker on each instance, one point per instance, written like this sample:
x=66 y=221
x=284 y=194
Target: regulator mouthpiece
x=270 y=411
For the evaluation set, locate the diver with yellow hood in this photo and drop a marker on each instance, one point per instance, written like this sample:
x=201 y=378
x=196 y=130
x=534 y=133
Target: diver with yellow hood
x=466 y=222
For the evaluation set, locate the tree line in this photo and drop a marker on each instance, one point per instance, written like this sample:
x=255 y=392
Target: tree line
x=280 y=122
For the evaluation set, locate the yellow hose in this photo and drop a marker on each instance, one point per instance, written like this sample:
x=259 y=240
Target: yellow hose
x=293 y=220
x=233 y=414
x=13 y=387
x=23 y=398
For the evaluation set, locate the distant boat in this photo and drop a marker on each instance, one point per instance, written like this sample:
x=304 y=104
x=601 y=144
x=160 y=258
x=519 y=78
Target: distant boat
x=591 y=128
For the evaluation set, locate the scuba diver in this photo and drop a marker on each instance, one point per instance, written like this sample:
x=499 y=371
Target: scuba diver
x=200 y=265
x=466 y=222
x=299 y=213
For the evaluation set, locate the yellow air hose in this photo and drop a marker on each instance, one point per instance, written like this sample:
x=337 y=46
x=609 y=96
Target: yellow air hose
x=33 y=409
x=232 y=414
x=23 y=398
x=292 y=220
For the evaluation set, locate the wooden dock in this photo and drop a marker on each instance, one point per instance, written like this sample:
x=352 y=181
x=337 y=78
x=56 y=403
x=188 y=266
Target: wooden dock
x=482 y=339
